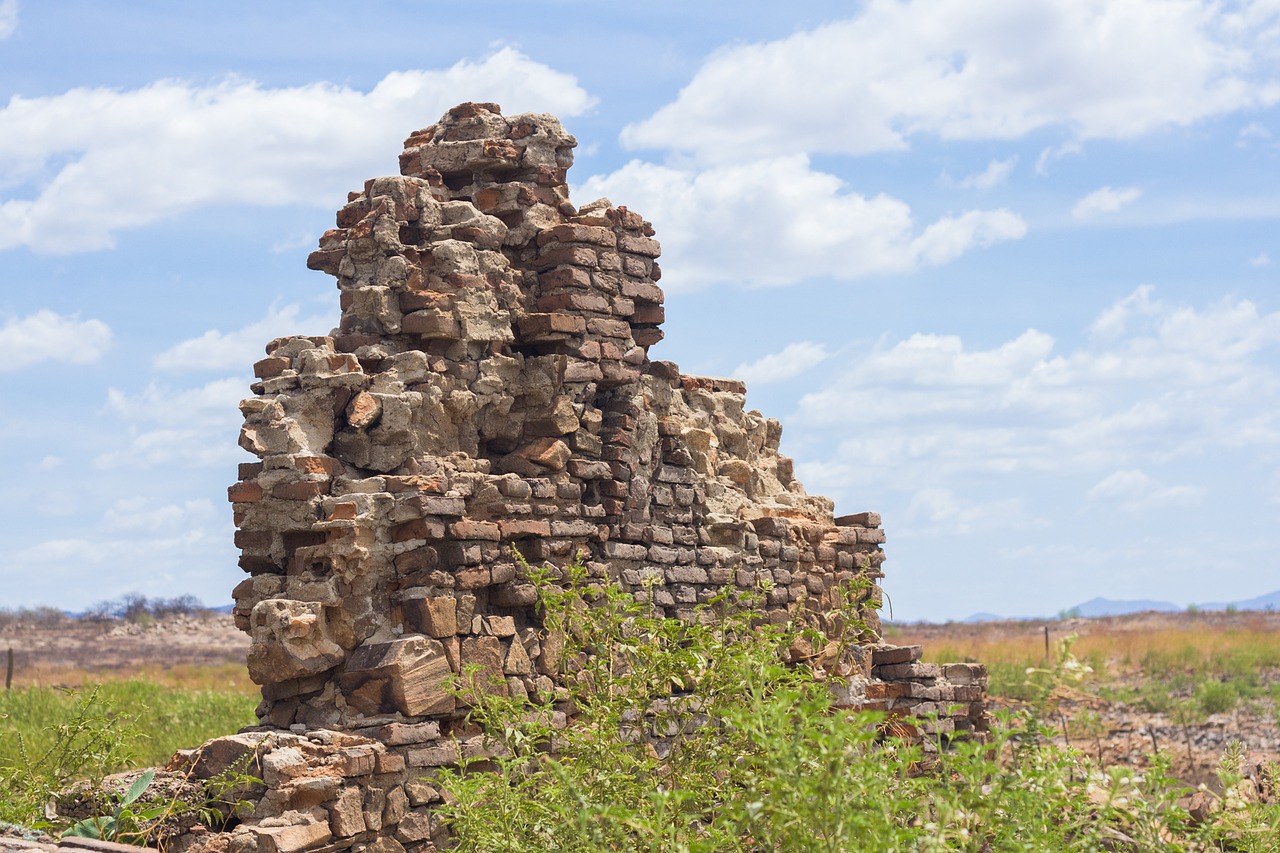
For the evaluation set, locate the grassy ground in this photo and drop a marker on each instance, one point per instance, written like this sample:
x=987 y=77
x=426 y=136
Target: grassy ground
x=168 y=710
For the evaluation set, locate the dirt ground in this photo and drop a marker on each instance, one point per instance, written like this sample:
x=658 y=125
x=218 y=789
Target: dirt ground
x=1117 y=733
x=53 y=654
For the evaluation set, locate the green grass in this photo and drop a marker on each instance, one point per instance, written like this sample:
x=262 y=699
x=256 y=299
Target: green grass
x=50 y=737
x=764 y=761
x=165 y=719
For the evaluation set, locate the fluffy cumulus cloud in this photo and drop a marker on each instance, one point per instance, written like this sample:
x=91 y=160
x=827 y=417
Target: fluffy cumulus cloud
x=67 y=160
x=778 y=221
x=49 y=336
x=239 y=349
x=794 y=360
x=975 y=69
x=1105 y=200
x=1153 y=383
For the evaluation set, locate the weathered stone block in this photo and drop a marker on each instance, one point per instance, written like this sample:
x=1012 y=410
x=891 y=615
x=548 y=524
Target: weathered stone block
x=434 y=615
x=409 y=675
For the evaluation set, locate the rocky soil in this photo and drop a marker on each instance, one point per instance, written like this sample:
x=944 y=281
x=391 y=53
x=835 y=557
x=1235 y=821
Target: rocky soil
x=48 y=653
x=1120 y=733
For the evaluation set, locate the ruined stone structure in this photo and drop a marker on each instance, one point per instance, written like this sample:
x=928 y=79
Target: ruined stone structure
x=487 y=393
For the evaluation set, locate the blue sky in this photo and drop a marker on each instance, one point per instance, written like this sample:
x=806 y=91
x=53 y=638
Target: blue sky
x=1009 y=274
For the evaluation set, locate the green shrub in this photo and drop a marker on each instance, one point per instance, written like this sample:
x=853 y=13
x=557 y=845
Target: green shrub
x=751 y=755
x=1216 y=697
x=85 y=739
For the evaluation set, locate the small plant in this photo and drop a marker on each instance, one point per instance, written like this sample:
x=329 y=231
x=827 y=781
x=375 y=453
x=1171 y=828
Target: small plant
x=90 y=741
x=125 y=824
x=1216 y=697
x=151 y=813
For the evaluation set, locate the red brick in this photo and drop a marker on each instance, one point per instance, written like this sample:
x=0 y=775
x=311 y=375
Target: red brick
x=253 y=539
x=647 y=336
x=343 y=512
x=318 y=465
x=646 y=246
x=271 y=366
x=572 y=300
x=301 y=490
x=562 y=277
x=244 y=493
x=431 y=325
x=467 y=529
x=418 y=528
x=648 y=312
x=593 y=235
x=517 y=527
x=578 y=256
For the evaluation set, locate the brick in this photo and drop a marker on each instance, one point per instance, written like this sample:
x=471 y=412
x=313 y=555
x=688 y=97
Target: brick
x=244 y=493
x=272 y=366
x=589 y=234
x=431 y=325
x=467 y=529
x=521 y=527
x=435 y=616
x=301 y=490
x=418 y=528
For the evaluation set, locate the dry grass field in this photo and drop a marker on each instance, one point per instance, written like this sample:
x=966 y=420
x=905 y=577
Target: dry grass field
x=196 y=653
x=1187 y=684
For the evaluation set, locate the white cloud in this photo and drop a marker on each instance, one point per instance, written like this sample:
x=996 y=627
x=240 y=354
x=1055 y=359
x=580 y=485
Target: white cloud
x=141 y=513
x=1253 y=132
x=186 y=427
x=8 y=18
x=1261 y=259
x=1155 y=382
x=49 y=463
x=103 y=160
x=1070 y=148
x=174 y=448
x=996 y=173
x=238 y=350
x=1134 y=491
x=48 y=336
x=1105 y=200
x=1112 y=320
x=778 y=221
x=158 y=404
x=776 y=367
x=940 y=512
x=973 y=69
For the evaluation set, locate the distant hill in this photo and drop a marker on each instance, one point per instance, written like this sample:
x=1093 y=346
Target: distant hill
x=1095 y=607
x=1270 y=601
x=983 y=617
x=1098 y=607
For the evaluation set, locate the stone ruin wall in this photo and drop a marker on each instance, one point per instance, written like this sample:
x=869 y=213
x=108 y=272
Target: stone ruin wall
x=488 y=391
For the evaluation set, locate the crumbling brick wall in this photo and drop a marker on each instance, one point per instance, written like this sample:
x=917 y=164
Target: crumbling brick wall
x=489 y=391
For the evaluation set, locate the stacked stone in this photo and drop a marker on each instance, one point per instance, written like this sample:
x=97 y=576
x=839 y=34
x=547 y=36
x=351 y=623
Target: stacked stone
x=488 y=394
x=945 y=699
